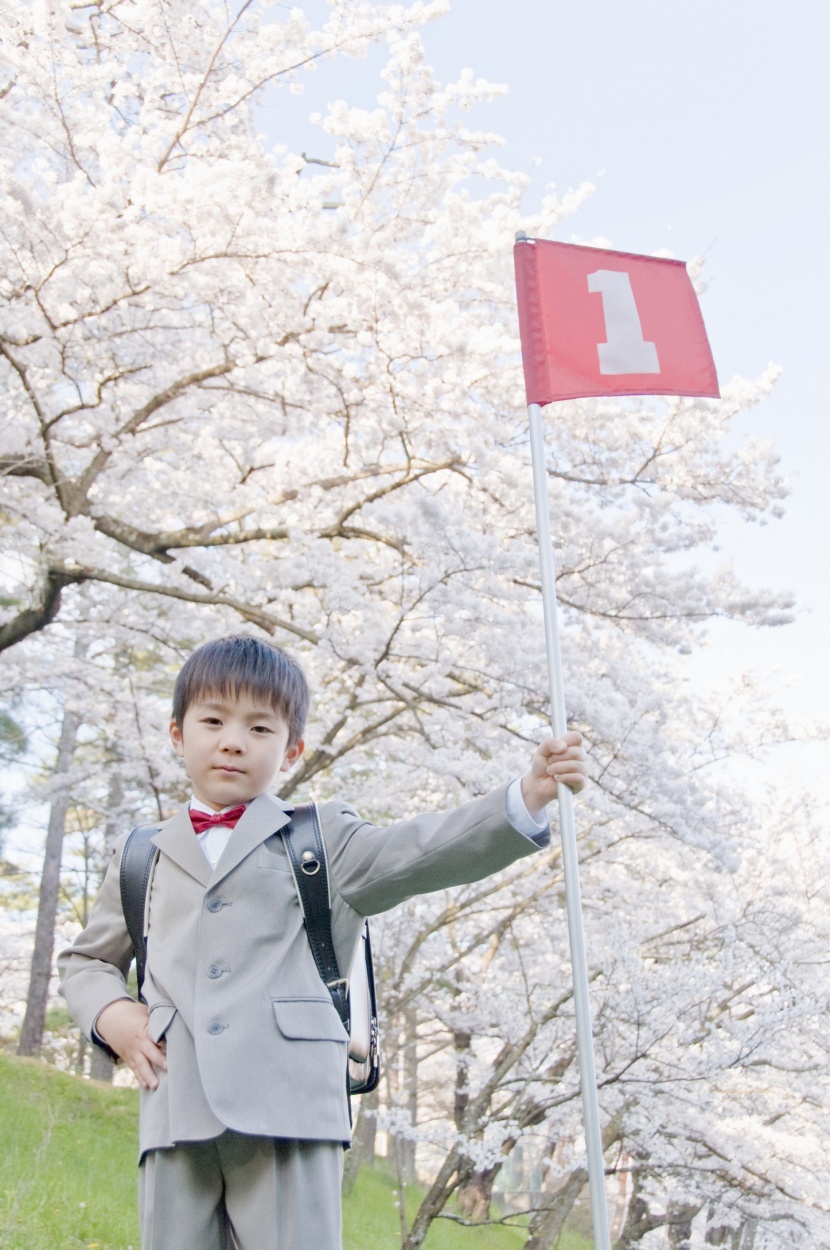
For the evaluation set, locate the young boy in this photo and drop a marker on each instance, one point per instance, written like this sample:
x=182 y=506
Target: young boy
x=239 y=1051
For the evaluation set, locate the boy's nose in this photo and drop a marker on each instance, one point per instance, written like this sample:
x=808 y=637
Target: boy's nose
x=232 y=742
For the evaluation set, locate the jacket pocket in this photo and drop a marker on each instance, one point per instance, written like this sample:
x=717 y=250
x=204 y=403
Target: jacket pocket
x=309 y=1019
x=161 y=1017
x=272 y=854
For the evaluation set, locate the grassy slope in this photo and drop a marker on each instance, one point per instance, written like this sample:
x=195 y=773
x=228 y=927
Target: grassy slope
x=67 y=1161
x=68 y=1174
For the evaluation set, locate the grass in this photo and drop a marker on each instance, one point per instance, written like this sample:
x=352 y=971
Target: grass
x=67 y=1161
x=68 y=1175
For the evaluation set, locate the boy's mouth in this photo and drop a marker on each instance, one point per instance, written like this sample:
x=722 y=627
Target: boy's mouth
x=226 y=768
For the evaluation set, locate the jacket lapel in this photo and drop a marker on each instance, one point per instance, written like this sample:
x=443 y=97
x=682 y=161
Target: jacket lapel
x=177 y=840
x=264 y=816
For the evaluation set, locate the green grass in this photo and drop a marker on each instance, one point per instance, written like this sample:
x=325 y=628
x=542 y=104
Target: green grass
x=67 y=1161
x=68 y=1175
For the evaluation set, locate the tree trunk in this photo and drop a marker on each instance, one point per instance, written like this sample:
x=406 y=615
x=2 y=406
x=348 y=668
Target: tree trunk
x=554 y=1208
x=363 y=1140
x=31 y=1034
x=115 y=823
x=462 y=1040
x=548 y=1222
x=476 y=1194
x=410 y=1075
x=101 y=1067
x=397 y=1146
x=723 y=1235
x=747 y=1237
x=622 y=1199
x=639 y=1220
x=80 y=1057
x=456 y=1170
x=434 y=1202
x=679 y=1225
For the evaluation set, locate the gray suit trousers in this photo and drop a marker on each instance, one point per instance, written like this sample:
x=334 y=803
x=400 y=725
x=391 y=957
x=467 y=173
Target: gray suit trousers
x=236 y=1192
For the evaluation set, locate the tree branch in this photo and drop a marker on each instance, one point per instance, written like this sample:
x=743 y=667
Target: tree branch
x=30 y=620
x=249 y=612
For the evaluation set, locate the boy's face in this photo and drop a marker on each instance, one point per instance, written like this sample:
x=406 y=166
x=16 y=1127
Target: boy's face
x=233 y=747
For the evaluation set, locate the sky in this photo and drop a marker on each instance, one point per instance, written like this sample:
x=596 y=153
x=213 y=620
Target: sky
x=702 y=125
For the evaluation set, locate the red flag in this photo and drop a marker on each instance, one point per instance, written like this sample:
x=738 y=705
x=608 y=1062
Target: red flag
x=594 y=322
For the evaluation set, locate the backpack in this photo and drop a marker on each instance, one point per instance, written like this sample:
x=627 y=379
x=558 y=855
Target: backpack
x=354 y=997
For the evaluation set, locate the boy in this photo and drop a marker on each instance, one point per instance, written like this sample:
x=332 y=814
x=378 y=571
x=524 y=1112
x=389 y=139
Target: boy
x=239 y=1051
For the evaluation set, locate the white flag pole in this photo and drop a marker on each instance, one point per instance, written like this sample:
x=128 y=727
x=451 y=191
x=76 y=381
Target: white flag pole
x=567 y=829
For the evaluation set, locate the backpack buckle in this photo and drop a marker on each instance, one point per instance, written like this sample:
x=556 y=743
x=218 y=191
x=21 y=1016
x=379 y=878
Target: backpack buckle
x=310 y=864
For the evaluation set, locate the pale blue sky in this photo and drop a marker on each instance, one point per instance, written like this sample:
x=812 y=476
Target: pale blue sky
x=707 y=119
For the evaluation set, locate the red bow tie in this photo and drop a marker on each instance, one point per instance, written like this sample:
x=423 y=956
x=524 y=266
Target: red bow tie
x=204 y=820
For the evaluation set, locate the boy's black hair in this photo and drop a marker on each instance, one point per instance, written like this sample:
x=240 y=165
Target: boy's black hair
x=229 y=666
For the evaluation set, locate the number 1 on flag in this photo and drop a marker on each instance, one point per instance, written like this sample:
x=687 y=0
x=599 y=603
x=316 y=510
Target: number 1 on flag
x=625 y=350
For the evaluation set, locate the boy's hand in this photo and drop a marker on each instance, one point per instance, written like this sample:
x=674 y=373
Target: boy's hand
x=555 y=760
x=123 y=1026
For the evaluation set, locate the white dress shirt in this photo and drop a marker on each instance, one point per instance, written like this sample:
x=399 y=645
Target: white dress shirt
x=214 y=840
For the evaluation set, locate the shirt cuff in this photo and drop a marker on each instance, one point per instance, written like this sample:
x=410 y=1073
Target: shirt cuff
x=515 y=809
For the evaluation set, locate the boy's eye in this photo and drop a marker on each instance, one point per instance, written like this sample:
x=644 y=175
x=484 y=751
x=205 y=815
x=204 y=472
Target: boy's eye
x=211 y=720
x=263 y=729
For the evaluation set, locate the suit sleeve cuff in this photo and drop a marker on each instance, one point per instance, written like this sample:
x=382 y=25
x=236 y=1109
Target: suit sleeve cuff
x=96 y=1038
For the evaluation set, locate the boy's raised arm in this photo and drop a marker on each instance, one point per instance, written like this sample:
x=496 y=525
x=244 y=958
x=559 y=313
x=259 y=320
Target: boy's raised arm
x=376 y=867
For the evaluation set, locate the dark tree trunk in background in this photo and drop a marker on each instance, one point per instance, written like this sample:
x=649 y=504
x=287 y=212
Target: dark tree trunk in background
x=31 y=1034
x=679 y=1225
x=101 y=1067
x=748 y=1232
x=547 y=1223
x=363 y=1138
x=410 y=1076
x=724 y=1236
x=476 y=1194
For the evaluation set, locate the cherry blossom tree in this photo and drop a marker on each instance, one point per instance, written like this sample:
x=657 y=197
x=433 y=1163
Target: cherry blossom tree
x=249 y=388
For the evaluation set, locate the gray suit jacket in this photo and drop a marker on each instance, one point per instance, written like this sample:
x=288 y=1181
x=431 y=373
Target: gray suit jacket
x=253 y=1041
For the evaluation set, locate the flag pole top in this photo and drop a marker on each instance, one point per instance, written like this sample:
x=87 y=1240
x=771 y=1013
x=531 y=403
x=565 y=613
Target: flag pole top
x=521 y=236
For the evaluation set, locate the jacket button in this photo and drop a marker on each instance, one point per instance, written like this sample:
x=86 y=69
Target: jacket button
x=216 y=1028
x=215 y=904
x=214 y=972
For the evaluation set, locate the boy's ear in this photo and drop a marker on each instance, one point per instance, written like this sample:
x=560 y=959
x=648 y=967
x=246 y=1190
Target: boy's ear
x=292 y=755
x=176 y=738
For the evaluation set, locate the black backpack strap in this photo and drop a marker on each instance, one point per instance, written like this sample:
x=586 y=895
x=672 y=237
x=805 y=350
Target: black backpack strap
x=307 y=856
x=137 y=862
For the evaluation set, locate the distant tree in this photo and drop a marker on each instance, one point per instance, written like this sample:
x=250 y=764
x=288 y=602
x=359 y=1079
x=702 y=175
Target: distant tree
x=31 y=1034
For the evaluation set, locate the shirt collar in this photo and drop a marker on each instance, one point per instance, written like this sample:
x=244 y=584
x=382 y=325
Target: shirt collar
x=196 y=805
